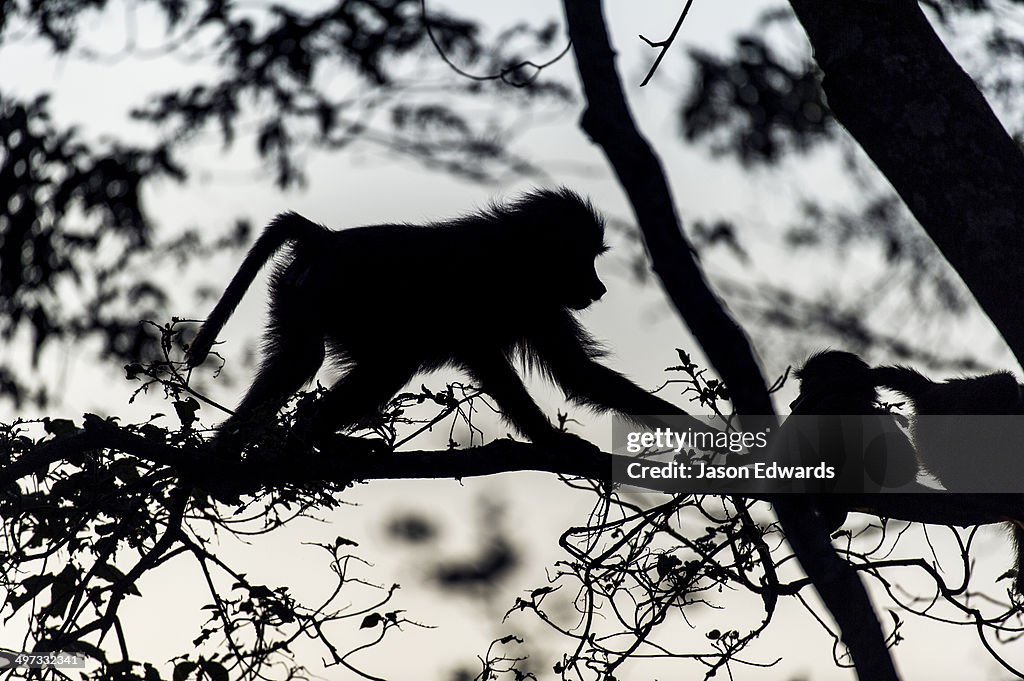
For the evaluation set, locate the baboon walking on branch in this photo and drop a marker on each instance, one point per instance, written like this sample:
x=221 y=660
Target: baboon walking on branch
x=387 y=301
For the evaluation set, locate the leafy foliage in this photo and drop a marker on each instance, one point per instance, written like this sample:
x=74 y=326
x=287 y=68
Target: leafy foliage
x=754 y=105
x=89 y=509
x=50 y=179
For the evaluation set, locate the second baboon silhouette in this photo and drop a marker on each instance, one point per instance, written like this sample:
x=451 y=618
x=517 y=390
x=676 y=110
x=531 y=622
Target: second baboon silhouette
x=856 y=436
x=968 y=454
x=964 y=455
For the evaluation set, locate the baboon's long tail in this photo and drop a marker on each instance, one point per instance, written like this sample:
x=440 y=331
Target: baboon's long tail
x=285 y=227
x=903 y=380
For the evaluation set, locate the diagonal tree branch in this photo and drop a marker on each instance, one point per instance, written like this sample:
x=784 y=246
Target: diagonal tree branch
x=891 y=82
x=609 y=122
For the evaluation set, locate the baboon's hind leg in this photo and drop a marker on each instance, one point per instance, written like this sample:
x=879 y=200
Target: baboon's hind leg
x=292 y=353
x=358 y=395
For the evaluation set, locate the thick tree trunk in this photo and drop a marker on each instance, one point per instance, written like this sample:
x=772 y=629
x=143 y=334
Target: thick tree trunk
x=891 y=82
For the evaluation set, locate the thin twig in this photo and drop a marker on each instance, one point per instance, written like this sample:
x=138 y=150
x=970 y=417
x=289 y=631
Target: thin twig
x=665 y=44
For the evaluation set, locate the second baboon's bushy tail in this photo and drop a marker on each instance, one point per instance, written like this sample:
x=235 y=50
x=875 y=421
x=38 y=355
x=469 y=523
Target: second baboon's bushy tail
x=903 y=380
x=285 y=227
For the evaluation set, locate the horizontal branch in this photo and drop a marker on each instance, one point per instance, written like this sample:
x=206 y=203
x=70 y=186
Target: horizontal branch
x=337 y=465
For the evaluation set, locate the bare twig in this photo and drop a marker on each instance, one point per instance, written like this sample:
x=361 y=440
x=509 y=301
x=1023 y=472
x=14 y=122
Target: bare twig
x=663 y=45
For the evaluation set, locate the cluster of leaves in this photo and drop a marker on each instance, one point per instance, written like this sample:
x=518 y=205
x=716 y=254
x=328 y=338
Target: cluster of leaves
x=755 y=106
x=278 y=62
x=67 y=526
x=285 y=60
x=62 y=203
x=90 y=521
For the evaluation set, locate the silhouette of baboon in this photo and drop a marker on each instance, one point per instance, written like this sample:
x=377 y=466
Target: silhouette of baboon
x=858 y=438
x=385 y=302
x=969 y=454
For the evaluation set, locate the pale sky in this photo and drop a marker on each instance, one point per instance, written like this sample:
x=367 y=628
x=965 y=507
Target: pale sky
x=637 y=325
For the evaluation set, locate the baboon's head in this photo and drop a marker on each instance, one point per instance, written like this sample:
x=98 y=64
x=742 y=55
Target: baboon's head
x=562 y=236
x=834 y=378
